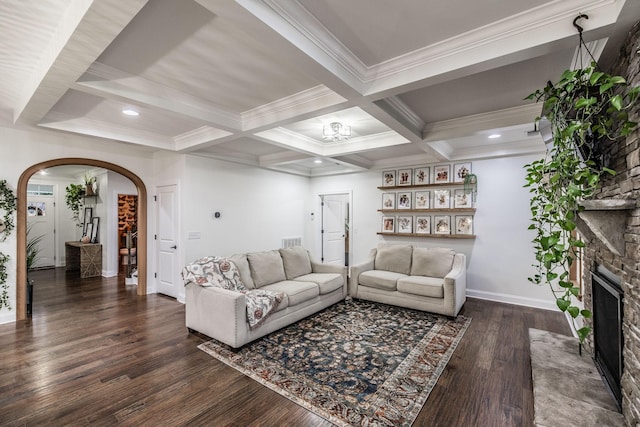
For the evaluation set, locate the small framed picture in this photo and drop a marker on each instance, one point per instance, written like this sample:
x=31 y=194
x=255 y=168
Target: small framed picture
x=404 y=176
x=95 y=223
x=405 y=224
x=441 y=174
x=462 y=199
x=441 y=199
x=389 y=178
x=388 y=200
x=442 y=224
x=422 y=200
x=460 y=171
x=388 y=224
x=423 y=225
x=464 y=224
x=421 y=175
x=404 y=200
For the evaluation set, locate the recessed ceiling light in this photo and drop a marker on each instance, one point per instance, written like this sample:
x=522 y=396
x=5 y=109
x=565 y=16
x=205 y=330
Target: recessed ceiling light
x=130 y=112
x=494 y=136
x=317 y=161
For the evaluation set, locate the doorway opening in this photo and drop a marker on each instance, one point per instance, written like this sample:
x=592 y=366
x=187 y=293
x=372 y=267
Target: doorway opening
x=21 y=226
x=335 y=228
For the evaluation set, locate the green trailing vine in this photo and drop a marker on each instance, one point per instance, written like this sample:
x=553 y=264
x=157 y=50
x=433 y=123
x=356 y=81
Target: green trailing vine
x=73 y=197
x=8 y=205
x=586 y=108
x=4 y=294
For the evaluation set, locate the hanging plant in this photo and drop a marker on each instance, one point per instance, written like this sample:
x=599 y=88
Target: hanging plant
x=8 y=205
x=74 y=198
x=586 y=109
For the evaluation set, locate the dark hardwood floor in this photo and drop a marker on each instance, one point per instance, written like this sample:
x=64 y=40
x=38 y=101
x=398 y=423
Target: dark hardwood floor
x=96 y=354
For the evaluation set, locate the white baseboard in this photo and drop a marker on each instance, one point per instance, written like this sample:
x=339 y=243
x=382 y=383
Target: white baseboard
x=7 y=317
x=512 y=299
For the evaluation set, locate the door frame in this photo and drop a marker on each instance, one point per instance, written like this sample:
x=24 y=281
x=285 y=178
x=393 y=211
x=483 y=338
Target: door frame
x=318 y=231
x=21 y=226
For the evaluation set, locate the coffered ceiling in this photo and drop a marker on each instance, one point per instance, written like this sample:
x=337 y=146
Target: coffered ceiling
x=250 y=81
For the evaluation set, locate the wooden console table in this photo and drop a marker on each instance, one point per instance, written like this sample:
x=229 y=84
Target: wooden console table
x=86 y=257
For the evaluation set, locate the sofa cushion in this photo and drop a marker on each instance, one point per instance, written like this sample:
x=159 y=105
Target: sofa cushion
x=297 y=292
x=380 y=279
x=421 y=285
x=396 y=258
x=432 y=262
x=240 y=260
x=296 y=261
x=266 y=267
x=327 y=282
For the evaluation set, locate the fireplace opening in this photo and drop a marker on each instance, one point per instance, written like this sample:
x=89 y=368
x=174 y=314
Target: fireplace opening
x=607 y=328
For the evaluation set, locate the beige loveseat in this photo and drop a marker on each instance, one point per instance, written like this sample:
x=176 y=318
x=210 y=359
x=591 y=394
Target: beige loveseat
x=428 y=279
x=308 y=287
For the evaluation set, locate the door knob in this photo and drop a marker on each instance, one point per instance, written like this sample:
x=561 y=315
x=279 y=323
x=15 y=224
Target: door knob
x=174 y=247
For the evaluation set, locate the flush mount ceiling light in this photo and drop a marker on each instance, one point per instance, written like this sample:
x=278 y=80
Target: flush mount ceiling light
x=494 y=136
x=317 y=161
x=335 y=131
x=130 y=112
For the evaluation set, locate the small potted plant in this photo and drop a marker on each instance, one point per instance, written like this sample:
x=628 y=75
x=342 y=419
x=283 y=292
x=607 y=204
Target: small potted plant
x=89 y=182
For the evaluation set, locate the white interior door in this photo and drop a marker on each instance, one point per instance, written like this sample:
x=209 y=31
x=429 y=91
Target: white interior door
x=41 y=222
x=334 y=220
x=167 y=237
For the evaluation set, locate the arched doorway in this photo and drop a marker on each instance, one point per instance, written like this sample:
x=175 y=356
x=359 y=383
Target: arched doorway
x=21 y=226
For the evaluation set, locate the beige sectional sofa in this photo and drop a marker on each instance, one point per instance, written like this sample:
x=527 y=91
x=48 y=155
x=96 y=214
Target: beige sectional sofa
x=308 y=287
x=428 y=279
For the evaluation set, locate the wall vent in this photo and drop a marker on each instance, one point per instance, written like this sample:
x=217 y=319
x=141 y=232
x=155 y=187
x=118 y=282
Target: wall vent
x=288 y=242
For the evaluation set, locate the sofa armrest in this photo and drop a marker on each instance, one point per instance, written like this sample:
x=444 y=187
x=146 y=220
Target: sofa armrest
x=318 y=267
x=216 y=312
x=455 y=282
x=356 y=270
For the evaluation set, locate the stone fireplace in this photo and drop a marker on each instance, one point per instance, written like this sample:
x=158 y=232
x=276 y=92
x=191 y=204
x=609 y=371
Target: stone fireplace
x=611 y=229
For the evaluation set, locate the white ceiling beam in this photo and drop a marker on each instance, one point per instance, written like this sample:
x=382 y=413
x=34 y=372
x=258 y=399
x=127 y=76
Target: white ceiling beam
x=468 y=125
x=282 y=158
x=86 y=29
x=496 y=44
x=100 y=129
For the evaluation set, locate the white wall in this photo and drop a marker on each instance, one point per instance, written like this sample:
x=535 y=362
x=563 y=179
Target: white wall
x=257 y=207
x=499 y=259
x=24 y=148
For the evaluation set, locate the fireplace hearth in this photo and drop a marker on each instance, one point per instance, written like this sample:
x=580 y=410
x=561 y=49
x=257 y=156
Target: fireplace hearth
x=607 y=329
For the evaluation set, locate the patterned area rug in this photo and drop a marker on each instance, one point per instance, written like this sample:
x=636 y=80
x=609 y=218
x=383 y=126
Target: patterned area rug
x=355 y=363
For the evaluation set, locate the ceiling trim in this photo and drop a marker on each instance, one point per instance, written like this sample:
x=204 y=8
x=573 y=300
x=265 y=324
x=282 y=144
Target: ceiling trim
x=467 y=125
x=197 y=137
x=82 y=36
x=307 y=101
x=124 y=87
x=81 y=125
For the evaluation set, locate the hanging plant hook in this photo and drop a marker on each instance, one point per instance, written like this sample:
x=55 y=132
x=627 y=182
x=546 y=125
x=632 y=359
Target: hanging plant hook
x=575 y=22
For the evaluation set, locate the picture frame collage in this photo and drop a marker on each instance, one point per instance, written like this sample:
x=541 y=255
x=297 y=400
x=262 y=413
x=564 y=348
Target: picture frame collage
x=428 y=224
x=90 y=226
x=433 y=198
x=437 y=174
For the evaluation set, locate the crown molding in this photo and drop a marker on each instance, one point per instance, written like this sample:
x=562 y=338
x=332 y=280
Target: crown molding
x=463 y=126
x=402 y=110
x=114 y=83
x=84 y=126
x=198 y=136
x=292 y=21
x=306 y=101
